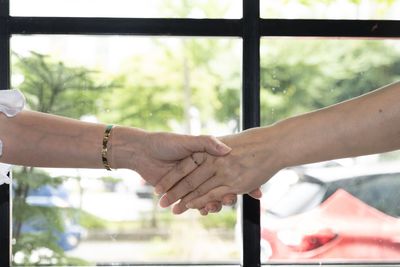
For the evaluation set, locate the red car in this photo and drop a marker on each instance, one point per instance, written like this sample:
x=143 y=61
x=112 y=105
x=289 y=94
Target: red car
x=337 y=214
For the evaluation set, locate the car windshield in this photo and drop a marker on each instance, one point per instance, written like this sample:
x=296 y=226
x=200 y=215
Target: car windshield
x=293 y=199
x=378 y=191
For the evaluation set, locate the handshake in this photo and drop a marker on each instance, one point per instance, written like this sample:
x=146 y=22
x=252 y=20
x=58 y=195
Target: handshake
x=203 y=172
x=196 y=172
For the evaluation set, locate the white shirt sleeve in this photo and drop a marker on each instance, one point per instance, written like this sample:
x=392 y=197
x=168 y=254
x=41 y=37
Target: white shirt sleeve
x=11 y=102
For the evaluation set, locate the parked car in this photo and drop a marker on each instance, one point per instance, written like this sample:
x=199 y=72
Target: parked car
x=145 y=190
x=333 y=214
x=49 y=197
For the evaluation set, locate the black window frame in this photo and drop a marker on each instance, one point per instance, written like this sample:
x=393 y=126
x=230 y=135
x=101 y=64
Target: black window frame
x=250 y=28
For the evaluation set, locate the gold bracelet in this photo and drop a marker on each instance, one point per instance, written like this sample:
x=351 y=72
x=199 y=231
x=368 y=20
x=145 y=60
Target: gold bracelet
x=104 y=151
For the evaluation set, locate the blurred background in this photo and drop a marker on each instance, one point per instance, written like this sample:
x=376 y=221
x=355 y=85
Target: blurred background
x=193 y=85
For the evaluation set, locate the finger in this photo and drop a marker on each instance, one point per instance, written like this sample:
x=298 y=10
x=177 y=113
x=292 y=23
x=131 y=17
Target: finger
x=198 y=192
x=209 y=144
x=214 y=195
x=180 y=170
x=203 y=212
x=213 y=207
x=187 y=185
x=257 y=194
x=229 y=200
x=202 y=189
x=179 y=208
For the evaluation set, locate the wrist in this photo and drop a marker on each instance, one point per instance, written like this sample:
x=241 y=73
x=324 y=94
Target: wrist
x=294 y=144
x=126 y=146
x=268 y=147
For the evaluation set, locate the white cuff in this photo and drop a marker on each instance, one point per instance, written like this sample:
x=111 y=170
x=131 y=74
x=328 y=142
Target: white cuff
x=11 y=102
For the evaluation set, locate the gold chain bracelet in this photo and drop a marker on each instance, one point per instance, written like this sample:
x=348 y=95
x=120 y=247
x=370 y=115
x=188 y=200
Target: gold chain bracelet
x=104 y=151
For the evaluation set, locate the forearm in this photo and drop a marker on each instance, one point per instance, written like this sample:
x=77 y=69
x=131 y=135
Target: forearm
x=365 y=125
x=43 y=140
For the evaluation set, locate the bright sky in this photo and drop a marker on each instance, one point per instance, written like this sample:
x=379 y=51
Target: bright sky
x=114 y=8
x=338 y=9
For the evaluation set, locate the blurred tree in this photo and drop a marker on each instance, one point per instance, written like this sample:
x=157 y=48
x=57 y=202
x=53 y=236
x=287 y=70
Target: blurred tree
x=146 y=97
x=52 y=87
x=181 y=78
x=299 y=75
x=210 y=67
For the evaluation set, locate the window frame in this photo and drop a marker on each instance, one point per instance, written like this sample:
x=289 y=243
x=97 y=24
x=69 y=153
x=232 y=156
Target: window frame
x=250 y=28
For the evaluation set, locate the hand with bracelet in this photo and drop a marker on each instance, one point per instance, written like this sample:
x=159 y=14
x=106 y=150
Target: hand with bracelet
x=42 y=140
x=363 y=125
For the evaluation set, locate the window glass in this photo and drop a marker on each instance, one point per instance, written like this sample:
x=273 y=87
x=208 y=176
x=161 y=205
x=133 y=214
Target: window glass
x=338 y=211
x=331 y=9
x=87 y=217
x=128 y=8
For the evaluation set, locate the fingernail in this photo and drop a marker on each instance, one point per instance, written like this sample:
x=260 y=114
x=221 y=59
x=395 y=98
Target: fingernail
x=223 y=148
x=163 y=202
x=212 y=209
x=229 y=202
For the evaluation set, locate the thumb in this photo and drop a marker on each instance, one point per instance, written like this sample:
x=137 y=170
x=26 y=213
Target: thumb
x=257 y=194
x=209 y=144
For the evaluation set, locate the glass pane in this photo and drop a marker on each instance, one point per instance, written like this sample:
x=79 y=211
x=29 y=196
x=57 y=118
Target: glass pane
x=128 y=8
x=331 y=9
x=345 y=210
x=87 y=217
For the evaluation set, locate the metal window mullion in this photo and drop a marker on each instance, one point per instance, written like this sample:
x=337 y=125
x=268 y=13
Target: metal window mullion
x=5 y=203
x=126 y=26
x=251 y=118
x=330 y=28
x=4 y=45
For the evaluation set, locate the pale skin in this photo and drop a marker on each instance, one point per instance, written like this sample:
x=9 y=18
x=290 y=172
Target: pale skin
x=43 y=140
x=364 y=125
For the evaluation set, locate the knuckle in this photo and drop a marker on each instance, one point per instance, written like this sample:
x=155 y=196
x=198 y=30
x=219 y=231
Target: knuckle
x=199 y=157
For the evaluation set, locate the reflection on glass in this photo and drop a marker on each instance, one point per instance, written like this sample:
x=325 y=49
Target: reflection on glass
x=343 y=210
x=128 y=8
x=87 y=217
x=330 y=9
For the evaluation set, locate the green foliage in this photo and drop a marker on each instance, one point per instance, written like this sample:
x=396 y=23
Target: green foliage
x=183 y=9
x=356 y=2
x=144 y=100
x=303 y=75
x=87 y=220
x=226 y=219
x=158 y=89
x=46 y=221
x=51 y=86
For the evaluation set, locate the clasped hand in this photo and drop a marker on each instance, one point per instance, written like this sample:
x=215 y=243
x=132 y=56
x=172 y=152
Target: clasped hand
x=204 y=181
